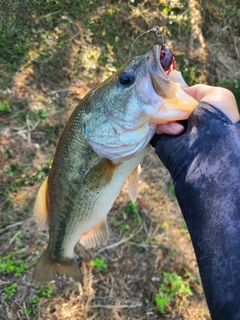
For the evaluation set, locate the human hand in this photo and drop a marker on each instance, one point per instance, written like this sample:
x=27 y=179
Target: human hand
x=167 y=146
x=221 y=98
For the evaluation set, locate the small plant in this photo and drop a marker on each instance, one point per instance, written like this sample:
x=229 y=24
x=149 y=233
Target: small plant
x=138 y=220
x=131 y=208
x=173 y=287
x=122 y=225
x=43 y=114
x=5 y=108
x=164 y=226
x=42 y=291
x=99 y=264
x=161 y=302
x=12 y=264
x=10 y=290
x=184 y=229
x=150 y=239
x=45 y=291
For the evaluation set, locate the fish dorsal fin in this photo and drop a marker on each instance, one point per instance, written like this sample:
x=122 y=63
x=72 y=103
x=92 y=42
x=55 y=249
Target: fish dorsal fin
x=133 y=183
x=97 y=235
x=41 y=206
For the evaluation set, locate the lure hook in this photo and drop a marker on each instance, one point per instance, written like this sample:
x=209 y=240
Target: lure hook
x=156 y=29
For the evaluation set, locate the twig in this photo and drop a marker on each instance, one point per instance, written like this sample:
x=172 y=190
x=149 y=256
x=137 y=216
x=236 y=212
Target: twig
x=236 y=46
x=116 y=244
x=11 y=226
x=13 y=238
x=117 y=307
x=19 y=128
x=75 y=36
x=2 y=283
x=28 y=131
x=60 y=90
x=145 y=245
x=49 y=15
x=24 y=306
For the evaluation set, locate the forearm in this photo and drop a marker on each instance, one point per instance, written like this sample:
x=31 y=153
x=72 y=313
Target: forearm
x=204 y=163
x=215 y=233
x=212 y=213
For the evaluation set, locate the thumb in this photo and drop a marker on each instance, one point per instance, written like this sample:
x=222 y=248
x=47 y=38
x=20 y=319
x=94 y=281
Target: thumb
x=172 y=128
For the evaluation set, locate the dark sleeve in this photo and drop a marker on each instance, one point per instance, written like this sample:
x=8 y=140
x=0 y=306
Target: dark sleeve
x=205 y=167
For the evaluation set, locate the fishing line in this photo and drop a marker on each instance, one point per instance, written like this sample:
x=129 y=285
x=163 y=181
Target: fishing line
x=156 y=29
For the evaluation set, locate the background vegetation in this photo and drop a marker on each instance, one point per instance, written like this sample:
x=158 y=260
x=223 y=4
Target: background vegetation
x=51 y=54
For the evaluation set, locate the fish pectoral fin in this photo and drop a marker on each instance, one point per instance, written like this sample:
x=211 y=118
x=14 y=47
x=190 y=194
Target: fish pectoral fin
x=41 y=206
x=97 y=235
x=133 y=180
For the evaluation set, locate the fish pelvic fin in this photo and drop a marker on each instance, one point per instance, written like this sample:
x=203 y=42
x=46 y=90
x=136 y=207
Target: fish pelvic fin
x=97 y=235
x=47 y=269
x=40 y=210
x=133 y=180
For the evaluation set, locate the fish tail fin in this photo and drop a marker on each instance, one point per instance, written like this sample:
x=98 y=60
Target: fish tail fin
x=47 y=269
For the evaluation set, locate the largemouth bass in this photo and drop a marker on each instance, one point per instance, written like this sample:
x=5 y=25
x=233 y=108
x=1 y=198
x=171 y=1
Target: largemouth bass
x=102 y=144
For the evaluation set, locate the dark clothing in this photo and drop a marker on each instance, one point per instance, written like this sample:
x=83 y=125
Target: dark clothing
x=204 y=163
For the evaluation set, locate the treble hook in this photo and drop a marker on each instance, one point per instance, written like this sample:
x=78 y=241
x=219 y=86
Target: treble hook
x=156 y=29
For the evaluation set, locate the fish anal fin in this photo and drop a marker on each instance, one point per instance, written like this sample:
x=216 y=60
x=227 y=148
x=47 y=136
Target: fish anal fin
x=97 y=235
x=47 y=269
x=133 y=180
x=41 y=206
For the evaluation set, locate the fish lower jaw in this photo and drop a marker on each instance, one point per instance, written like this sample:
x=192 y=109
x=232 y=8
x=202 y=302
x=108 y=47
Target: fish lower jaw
x=124 y=151
x=168 y=115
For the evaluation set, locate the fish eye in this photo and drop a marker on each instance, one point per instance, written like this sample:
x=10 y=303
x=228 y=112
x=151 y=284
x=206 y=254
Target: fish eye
x=126 y=78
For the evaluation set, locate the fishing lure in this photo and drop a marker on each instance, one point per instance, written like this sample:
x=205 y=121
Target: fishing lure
x=167 y=59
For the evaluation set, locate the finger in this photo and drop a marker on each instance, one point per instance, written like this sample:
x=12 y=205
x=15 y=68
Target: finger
x=225 y=101
x=221 y=98
x=172 y=128
x=199 y=91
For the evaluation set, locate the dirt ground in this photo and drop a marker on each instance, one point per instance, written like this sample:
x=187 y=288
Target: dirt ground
x=51 y=54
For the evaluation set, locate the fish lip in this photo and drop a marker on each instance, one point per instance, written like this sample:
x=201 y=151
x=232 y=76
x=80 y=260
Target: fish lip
x=160 y=79
x=156 y=56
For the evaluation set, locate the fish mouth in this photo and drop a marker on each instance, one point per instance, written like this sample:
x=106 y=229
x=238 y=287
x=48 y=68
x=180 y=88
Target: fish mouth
x=156 y=51
x=160 y=78
x=176 y=104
